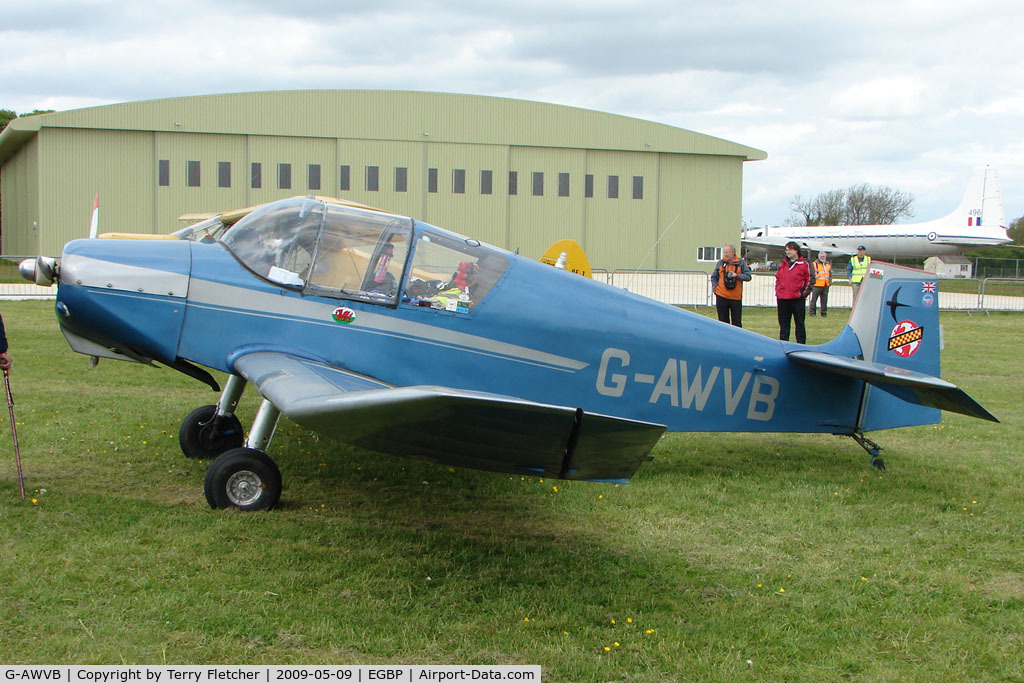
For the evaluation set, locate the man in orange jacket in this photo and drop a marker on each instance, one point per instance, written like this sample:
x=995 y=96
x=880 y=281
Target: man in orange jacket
x=822 y=277
x=730 y=274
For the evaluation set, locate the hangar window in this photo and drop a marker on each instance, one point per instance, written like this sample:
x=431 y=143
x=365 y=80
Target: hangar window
x=452 y=273
x=563 y=184
x=513 y=182
x=313 y=173
x=638 y=187
x=613 y=187
x=459 y=181
x=345 y=178
x=431 y=180
x=163 y=173
x=372 y=178
x=284 y=176
x=588 y=185
x=485 y=182
x=192 y=174
x=709 y=253
x=401 y=179
x=223 y=174
x=256 y=175
x=538 y=183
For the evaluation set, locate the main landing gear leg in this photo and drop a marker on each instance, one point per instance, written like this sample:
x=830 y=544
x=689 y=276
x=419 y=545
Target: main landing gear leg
x=208 y=431
x=873 y=449
x=246 y=478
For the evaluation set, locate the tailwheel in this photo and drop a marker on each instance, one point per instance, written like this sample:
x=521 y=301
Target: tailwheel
x=244 y=478
x=204 y=434
x=873 y=449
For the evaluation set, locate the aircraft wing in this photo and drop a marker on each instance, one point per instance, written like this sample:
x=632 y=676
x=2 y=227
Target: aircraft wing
x=812 y=246
x=913 y=387
x=451 y=426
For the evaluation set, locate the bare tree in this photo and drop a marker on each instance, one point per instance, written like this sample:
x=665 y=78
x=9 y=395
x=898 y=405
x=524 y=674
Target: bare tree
x=856 y=205
x=824 y=209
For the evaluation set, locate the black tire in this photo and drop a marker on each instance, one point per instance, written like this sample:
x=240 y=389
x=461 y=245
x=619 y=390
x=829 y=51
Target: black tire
x=244 y=478
x=199 y=439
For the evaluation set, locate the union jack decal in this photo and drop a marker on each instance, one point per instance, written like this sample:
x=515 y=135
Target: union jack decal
x=928 y=287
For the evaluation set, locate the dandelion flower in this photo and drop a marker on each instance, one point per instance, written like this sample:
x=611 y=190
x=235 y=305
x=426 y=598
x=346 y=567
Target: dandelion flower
x=607 y=649
x=613 y=621
x=615 y=644
x=555 y=489
x=629 y=620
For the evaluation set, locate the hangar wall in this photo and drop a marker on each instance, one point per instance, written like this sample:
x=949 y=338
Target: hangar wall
x=512 y=173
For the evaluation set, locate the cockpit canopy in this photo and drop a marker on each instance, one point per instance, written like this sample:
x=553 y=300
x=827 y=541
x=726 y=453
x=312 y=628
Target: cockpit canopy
x=325 y=249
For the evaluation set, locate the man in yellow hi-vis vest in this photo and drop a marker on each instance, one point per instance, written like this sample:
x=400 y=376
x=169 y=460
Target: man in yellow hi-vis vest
x=857 y=269
x=822 y=281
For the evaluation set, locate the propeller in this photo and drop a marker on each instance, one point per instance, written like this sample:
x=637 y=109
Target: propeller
x=42 y=270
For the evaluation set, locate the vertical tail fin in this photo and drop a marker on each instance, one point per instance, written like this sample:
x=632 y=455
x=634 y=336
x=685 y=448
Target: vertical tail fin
x=981 y=210
x=897 y=321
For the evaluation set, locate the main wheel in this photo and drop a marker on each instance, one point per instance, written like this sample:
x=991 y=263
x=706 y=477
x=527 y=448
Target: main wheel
x=244 y=478
x=203 y=437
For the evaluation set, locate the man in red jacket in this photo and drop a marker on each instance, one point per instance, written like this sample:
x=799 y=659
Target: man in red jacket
x=792 y=282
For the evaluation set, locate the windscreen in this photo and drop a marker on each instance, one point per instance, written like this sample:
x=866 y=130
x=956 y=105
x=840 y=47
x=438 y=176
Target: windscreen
x=278 y=241
x=324 y=249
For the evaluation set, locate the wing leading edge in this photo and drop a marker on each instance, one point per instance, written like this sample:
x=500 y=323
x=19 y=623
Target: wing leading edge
x=451 y=426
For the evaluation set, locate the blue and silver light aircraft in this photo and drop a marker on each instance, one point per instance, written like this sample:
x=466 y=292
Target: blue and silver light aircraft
x=403 y=338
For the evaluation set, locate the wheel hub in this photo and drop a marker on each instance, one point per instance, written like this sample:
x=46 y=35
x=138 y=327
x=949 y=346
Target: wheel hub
x=244 y=488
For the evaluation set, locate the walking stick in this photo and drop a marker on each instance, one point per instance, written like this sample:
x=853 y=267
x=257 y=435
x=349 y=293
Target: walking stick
x=14 y=430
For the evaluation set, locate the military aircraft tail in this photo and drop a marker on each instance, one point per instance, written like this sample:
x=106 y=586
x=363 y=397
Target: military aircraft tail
x=981 y=210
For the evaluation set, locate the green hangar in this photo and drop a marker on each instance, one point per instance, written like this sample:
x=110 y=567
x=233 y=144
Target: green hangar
x=513 y=173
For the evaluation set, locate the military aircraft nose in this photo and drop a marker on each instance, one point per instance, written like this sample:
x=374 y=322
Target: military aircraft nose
x=41 y=270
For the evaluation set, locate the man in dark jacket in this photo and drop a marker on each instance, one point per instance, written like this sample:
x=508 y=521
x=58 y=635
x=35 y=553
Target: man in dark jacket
x=727 y=282
x=792 y=282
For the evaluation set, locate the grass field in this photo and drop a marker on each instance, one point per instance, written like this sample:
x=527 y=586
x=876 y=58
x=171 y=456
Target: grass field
x=731 y=556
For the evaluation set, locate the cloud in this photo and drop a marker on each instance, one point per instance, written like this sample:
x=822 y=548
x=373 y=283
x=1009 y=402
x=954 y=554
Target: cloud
x=890 y=92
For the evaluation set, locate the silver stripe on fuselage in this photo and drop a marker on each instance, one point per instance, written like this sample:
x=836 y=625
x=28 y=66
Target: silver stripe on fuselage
x=93 y=272
x=215 y=295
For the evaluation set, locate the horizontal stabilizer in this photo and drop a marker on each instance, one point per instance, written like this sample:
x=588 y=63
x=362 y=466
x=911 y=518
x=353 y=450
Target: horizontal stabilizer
x=913 y=387
x=451 y=426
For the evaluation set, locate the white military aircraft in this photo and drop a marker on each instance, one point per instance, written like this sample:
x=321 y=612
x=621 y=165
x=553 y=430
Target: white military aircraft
x=977 y=223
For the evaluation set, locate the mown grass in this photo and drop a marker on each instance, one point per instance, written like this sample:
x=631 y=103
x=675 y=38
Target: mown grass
x=732 y=556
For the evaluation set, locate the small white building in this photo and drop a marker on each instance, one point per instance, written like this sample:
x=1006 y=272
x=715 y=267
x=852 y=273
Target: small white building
x=950 y=266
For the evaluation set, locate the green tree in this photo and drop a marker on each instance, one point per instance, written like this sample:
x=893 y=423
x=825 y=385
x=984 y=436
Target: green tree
x=6 y=116
x=1016 y=230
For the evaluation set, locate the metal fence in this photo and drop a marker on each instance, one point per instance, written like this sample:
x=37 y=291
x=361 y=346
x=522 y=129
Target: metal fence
x=676 y=287
x=992 y=268
x=1006 y=294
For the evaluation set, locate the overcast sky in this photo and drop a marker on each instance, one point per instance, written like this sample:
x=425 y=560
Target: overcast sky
x=907 y=93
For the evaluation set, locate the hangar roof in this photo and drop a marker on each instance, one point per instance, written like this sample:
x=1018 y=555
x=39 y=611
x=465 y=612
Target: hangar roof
x=384 y=115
